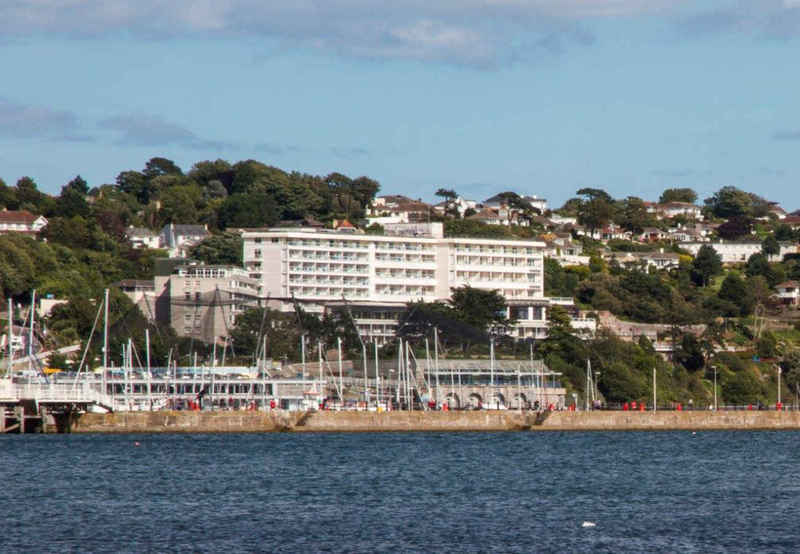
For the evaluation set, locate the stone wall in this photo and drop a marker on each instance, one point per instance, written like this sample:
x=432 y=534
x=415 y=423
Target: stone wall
x=484 y=420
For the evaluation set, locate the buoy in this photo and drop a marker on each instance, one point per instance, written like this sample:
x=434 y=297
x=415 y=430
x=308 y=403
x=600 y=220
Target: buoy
x=137 y=443
x=588 y=524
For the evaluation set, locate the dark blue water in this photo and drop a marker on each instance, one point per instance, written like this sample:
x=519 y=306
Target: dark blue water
x=513 y=492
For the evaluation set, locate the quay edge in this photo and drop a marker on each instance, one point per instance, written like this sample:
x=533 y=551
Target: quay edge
x=474 y=421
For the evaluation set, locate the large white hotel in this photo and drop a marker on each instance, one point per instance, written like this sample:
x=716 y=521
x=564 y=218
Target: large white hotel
x=377 y=275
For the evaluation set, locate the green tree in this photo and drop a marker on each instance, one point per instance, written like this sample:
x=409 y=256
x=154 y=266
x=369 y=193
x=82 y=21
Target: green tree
x=483 y=309
x=741 y=388
x=770 y=246
x=735 y=290
x=72 y=201
x=222 y=249
x=784 y=232
x=449 y=196
x=757 y=264
x=678 y=195
x=179 y=204
x=633 y=216
x=707 y=263
x=596 y=208
x=736 y=227
x=248 y=210
x=156 y=167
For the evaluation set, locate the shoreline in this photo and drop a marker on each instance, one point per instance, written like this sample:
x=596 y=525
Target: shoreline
x=478 y=421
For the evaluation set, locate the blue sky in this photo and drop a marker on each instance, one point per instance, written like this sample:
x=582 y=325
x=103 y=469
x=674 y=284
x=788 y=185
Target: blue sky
x=539 y=96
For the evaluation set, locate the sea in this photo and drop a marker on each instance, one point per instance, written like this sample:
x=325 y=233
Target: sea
x=416 y=492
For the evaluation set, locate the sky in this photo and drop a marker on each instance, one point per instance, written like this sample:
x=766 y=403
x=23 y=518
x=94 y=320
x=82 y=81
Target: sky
x=541 y=97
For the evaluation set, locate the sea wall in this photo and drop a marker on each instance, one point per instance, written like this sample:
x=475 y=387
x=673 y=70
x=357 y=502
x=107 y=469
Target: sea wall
x=488 y=420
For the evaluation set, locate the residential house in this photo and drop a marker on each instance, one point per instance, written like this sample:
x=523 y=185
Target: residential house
x=536 y=202
x=673 y=209
x=492 y=216
x=739 y=252
x=776 y=210
x=460 y=204
x=645 y=260
x=789 y=293
x=179 y=238
x=652 y=234
x=792 y=220
x=141 y=237
x=563 y=249
x=21 y=221
x=398 y=209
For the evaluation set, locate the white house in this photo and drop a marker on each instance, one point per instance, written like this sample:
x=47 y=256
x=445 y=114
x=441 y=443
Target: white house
x=397 y=209
x=179 y=238
x=21 y=221
x=739 y=252
x=460 y=204
x=674 y=209
x=536 y=202
x=789 y=292
x=141 y=237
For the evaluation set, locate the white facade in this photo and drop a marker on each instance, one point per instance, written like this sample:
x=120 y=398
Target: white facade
x=789 y=292
x=370 y=271
x=738 y=252
x=143 y=238
x=536 y=202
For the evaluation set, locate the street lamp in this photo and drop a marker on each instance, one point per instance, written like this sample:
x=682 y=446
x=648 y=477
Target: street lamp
x=779 y=385
x=597 y=386
x=715 y=387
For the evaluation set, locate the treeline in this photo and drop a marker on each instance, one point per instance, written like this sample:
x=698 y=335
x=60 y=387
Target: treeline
x=220 y=194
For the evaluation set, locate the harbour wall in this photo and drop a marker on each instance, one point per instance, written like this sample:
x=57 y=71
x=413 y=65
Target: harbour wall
x=485 y=420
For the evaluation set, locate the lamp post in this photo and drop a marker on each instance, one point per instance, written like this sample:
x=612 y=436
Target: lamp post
x=779 y=385
x=597 y=386
x=715 y=387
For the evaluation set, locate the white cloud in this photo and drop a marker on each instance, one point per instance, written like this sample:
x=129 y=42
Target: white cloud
x=471 y=32
x=474 y=32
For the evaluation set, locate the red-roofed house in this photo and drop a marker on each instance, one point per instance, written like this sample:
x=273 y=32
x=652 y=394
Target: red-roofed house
x=21 y=221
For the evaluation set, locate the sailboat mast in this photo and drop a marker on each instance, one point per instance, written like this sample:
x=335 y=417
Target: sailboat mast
x=30 y=330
